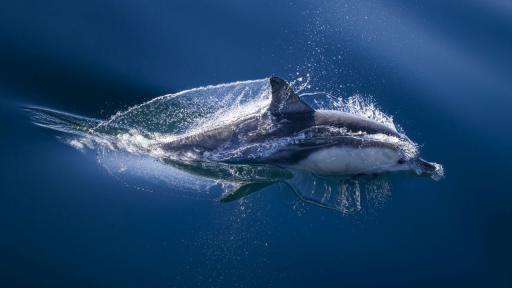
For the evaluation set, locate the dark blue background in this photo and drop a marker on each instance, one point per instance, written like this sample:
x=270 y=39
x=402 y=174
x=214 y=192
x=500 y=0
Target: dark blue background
x=442 y=68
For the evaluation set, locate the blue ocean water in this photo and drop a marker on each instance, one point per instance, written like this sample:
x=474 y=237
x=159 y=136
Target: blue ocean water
x=441 y=69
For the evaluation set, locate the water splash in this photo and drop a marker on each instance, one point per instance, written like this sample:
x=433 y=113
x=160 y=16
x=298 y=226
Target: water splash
x=192 y=110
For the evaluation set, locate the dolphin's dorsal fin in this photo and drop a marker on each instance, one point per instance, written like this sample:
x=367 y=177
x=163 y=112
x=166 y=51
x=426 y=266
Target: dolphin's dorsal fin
x=284 y=99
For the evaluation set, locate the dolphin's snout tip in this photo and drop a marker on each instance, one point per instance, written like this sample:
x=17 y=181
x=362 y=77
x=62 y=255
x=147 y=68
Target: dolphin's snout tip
x=431 y=169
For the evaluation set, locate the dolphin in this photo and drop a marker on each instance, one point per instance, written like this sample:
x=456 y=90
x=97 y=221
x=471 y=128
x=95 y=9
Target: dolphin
x=291 y=134
x=329 y=158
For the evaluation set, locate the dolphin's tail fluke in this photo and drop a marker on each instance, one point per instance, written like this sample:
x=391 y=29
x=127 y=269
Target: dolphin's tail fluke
x=60 y=121
x=425 y=168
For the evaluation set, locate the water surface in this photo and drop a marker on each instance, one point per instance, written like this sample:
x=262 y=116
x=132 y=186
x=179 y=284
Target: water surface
x=441 y=69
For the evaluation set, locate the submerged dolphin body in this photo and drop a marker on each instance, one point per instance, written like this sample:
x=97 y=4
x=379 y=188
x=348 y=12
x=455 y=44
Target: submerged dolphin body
x=291 y=134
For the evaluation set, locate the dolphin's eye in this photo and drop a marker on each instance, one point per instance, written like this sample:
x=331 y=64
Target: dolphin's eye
x=400 y=161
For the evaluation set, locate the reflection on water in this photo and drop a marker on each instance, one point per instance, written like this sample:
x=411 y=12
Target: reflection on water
x=345 y=194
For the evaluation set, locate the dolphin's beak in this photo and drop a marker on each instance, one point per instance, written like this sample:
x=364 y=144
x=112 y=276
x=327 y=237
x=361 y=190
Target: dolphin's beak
x=425 y=168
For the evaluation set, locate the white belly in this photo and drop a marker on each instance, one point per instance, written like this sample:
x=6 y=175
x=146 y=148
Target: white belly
x=348 y=161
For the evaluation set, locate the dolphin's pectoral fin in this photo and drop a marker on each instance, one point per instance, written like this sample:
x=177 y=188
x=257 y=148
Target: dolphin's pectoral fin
x=284 y=99
x=244 y=191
